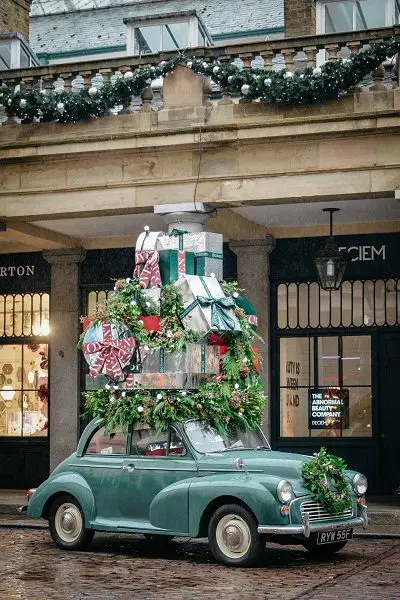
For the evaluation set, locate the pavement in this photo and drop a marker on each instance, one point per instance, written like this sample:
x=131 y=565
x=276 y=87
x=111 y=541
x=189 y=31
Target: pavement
x=383 y=512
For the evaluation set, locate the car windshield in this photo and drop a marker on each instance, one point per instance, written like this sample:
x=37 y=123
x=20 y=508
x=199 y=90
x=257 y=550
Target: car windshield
x=205 y=438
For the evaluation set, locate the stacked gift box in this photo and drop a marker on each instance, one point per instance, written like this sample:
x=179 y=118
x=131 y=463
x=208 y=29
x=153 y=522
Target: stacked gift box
x=193 y=263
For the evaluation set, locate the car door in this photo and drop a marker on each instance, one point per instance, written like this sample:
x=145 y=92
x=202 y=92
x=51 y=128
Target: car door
x=156 y=461
x=101 y=466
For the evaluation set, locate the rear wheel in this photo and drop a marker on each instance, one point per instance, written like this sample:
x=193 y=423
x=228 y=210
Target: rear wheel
x=67 y=524
x=325 y=550
x=233 y=536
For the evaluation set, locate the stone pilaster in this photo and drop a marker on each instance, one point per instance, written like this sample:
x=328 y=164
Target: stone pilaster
x=253 y=275
x=64 y=358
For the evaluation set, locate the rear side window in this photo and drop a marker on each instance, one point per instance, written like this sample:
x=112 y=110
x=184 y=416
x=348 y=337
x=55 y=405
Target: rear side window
x=107 y=443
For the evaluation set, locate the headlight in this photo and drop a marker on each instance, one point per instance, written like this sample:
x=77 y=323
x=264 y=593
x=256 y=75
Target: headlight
x=284 y=491
x=360 y=484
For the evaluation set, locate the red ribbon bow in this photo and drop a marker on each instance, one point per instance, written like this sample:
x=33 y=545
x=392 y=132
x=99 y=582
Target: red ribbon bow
x=149 y=275
x=111 y=353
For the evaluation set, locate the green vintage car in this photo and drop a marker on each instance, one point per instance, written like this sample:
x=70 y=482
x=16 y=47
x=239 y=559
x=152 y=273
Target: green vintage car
x=191 y=482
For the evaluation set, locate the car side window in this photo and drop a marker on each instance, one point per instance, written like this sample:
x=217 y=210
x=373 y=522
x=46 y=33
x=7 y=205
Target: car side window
x=149 y=442
x=107 y=443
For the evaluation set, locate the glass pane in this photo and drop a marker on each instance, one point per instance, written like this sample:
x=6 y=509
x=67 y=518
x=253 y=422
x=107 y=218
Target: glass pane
x=147 y=39
x=356 y=360
x=369 y=307
x=201 y=38
x=294 y=412
x=296 y=362
x=10 y=369
x=338 y=16
x=149 y=442
x=370 y=14
x=303 y=305
x=346 y=297
x=24 y=59
x=5 y=54
x=380 y=302
x=35 y=413
x=282 y=307
x=328 y=361
x=358 y=313
x=360 y=413
x=10 y=412
x=325 y=304
x=335 y=308
x=391 y=290
x=35 y=367
x=293 y=306
x=314 y=305
x=175 y=35
x=107 y=443
x=176 y=446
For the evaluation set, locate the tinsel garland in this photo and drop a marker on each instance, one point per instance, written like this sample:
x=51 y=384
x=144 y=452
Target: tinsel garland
x=324 y=471
x=306 y=87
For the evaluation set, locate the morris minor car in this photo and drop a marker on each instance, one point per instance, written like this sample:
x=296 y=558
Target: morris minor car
x=191 y=482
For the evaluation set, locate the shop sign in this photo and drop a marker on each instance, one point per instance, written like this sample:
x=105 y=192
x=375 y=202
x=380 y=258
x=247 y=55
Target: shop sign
x=365 y=253
x=17 y=271
x=328 y=408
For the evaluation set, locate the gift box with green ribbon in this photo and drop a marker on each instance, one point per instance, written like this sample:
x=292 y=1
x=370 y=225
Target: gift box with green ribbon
x=206 y=308
x=174 y=264
x=207 y=248
x=195 y=358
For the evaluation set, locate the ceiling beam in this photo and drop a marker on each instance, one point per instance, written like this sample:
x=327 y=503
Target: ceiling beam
x=37 y=237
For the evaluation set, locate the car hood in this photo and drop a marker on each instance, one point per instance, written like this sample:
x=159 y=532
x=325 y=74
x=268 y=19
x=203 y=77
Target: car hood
x=282 y=465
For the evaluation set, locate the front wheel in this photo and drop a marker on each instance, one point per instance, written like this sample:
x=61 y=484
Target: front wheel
x=233 y=536
x=67 y=524
x=326 y=550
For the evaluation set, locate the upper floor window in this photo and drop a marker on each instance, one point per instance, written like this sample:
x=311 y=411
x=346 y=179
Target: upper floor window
x=334 y=16
x=15 y=52
x=166 y=32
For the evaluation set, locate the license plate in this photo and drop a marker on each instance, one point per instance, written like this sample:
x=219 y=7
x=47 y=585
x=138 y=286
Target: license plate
x=330 y=537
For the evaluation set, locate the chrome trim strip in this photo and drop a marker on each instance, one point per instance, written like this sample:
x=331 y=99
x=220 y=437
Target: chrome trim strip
x=312 y=527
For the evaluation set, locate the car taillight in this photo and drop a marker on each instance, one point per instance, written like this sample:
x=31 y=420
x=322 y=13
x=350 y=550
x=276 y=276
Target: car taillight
x=30 y=493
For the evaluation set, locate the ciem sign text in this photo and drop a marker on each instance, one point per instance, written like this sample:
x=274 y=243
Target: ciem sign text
x=365 y=253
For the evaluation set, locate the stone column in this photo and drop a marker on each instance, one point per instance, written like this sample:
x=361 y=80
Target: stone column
x=253 y=276
x=63 y=355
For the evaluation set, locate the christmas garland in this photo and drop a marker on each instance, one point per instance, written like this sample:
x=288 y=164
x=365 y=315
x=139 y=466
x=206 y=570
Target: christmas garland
x=325 y=470
x=232 y=399
x=305 y=87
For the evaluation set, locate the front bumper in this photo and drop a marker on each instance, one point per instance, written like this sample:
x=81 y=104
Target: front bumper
x=306 y=528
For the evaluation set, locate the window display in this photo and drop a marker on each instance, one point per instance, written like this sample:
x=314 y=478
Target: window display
x=24 y=395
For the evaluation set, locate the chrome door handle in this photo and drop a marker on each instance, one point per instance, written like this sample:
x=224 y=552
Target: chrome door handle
x=128 y=468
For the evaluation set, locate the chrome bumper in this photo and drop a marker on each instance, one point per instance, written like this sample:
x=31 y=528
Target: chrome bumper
x=306 y=528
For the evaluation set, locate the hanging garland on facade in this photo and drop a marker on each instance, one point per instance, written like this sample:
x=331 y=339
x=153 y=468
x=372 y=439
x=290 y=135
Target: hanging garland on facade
x=306 y=87
x=324 y=471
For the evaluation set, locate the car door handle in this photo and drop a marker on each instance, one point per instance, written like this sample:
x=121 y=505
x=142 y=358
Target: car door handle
x=128 y=468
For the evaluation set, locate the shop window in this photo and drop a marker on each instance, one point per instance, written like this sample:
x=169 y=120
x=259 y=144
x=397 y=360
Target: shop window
x=24 y=315
x=335 y=16
x=95 y=300
x=325 y=386
x=368 y=303
x=24 y=396
x=103 y=442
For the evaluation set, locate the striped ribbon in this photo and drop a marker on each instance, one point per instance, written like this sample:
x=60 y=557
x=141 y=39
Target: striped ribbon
x=147 y=268
x=112 y=354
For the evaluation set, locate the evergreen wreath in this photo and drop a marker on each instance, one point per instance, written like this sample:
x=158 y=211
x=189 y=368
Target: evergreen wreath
x=322 y=472
x=306 y=87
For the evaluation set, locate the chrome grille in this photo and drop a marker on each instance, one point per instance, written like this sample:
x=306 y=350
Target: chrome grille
x=316 y=512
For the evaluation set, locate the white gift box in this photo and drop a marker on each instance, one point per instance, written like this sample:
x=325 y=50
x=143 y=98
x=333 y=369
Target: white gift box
x=202 y=313
x=207 y=248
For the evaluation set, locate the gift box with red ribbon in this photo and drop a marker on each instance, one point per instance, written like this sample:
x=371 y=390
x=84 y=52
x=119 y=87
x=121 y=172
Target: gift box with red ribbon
x=109 y=348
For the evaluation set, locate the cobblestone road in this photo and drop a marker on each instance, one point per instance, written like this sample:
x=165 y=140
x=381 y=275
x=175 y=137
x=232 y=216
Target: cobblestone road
x=122 y=567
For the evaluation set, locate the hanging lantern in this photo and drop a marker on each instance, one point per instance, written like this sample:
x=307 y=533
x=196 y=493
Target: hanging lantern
x=329 y=261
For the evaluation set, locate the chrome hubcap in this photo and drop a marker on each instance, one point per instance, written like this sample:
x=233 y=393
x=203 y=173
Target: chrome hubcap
x=68 y=522
x=233 y=536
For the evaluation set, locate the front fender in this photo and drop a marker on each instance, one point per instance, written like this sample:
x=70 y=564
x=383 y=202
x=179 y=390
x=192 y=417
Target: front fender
x=253 y=492
x=170 y=508
x=65 y=483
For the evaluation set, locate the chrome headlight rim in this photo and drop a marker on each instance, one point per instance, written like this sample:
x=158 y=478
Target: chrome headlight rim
x=360 y=484
x=284 y=491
